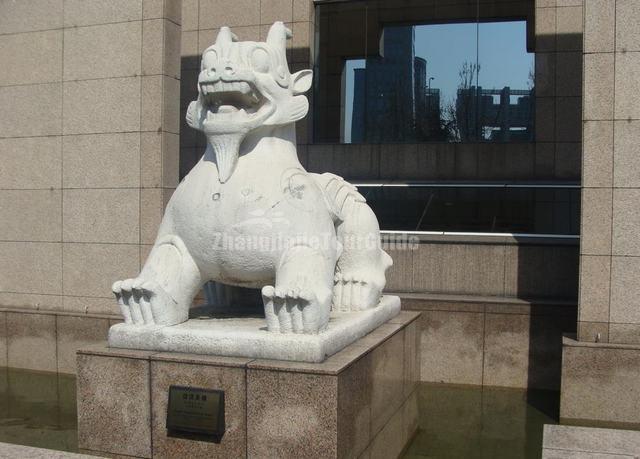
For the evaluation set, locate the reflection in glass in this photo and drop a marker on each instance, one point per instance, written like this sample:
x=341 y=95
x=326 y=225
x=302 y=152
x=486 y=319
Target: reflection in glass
x=475 y=208
x=467 y=80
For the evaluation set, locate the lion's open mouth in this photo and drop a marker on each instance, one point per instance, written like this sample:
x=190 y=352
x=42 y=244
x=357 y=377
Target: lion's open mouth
x=229 y=100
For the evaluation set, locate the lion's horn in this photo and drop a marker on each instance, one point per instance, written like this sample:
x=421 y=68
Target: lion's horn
x=278 y=35
x=225 y=36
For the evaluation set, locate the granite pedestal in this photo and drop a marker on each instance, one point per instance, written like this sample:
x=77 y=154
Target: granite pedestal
x=360 y=402
x=249 y=337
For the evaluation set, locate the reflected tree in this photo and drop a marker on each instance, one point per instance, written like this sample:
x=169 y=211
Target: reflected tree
x=460 y=113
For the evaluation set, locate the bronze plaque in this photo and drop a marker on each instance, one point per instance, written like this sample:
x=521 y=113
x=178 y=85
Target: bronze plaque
x=195 y=413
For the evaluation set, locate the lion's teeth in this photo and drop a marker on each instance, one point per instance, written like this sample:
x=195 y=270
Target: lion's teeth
x=227 y=109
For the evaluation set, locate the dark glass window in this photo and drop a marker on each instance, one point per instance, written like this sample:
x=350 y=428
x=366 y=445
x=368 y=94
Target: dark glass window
x=479 y=208
x=419 y=71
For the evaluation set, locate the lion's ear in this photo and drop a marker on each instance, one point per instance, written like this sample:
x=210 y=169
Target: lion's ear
x=301 y=81
x=193 y=114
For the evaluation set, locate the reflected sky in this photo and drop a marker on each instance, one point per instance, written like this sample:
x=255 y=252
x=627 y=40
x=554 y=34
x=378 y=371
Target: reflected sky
x=499 y=47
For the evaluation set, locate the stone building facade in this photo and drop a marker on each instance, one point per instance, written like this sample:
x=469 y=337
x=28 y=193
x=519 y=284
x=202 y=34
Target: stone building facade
x=93 y=141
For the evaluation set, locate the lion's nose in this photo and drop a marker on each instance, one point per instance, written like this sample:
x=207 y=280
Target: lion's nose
x=211 y=71
x=229 y=70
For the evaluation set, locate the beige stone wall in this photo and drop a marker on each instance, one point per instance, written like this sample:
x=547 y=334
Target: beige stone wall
x=88 y=152
x=558 y=47
x=487 y=266
x=599 y=384
x=48 y=340
x=491 y=341
x=610 y=251
x=89 y=136
x=494 y=309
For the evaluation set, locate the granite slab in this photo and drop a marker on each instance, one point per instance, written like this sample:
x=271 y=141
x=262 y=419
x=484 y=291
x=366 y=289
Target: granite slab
x=248 y=336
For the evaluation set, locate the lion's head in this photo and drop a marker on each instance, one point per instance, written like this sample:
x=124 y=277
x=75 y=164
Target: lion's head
x=245 y=85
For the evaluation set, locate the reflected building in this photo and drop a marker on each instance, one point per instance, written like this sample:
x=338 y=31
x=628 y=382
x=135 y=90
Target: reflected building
x=390 y=94
x=489 y=114
x=393 y=102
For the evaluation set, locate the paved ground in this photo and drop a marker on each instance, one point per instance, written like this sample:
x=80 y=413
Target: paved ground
x=7 y=450
x=569 y=442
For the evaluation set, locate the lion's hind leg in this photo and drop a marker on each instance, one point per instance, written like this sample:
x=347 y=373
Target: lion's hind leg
x=360 y=270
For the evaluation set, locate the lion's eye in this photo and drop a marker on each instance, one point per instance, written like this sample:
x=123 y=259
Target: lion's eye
x=210 y=59
x=260 y=60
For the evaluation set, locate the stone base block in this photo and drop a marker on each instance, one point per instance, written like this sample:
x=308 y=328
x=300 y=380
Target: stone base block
x=248 y=337
x=600 y=384
x=360 y=402
x=569 y=442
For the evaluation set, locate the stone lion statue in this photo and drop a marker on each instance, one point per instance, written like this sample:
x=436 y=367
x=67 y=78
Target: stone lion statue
x=248 y=214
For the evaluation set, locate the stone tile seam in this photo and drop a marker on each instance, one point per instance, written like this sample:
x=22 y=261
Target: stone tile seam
x=73 y=134
x=556 y=7
x=51 y=312
x=615 y=120
x=627 y=51
x=80 y=80
x=558 y=314
x=573 y=450
x=59 y=294
x=140 y=122
x=7 y=241
x=74 y=27
x=480 y=299
x=69 y=134
x=67 y=188
x=98 y=454
x=5 y=327
x=55 y=338
x=61 y=164
x=613 y=171
x=215 y=29
x=611 y=323
x=401 y=407
x=572 y=343
x=484 y=346
x=505 y=263
x=612 y=187
x=202 y=363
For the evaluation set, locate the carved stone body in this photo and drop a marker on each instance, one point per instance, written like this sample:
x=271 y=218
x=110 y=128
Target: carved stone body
x=248 y=214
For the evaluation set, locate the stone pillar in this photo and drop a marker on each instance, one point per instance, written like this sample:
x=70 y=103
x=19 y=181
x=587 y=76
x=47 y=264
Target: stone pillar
x=600 y=371
x=610 y=249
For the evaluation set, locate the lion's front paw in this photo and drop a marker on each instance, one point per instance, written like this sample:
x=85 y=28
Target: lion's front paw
x=294 y=310
x=145 y=302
